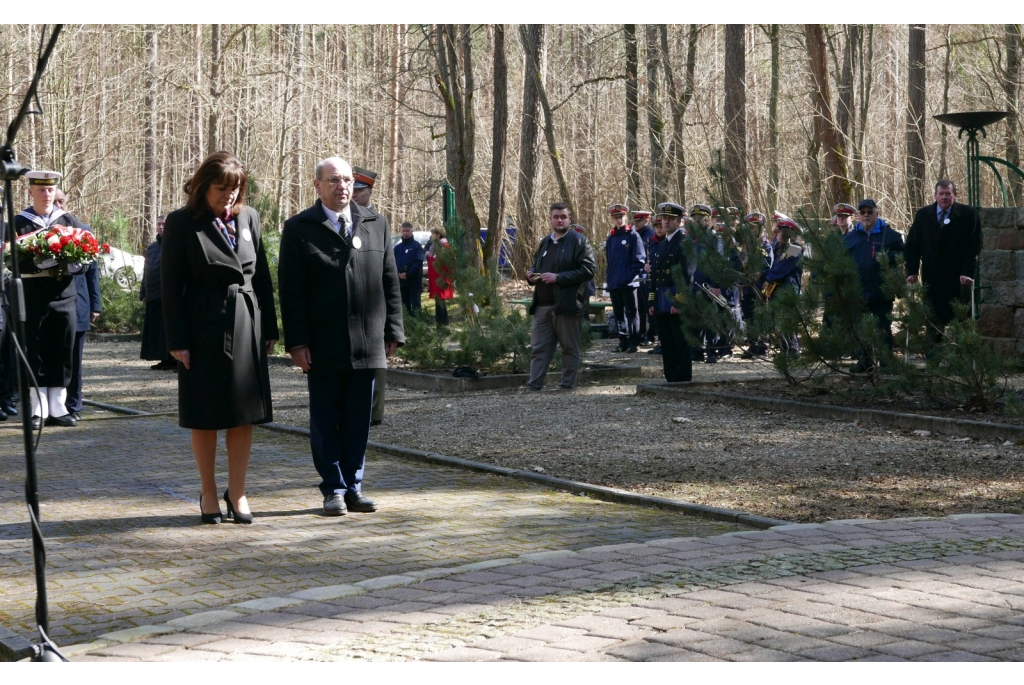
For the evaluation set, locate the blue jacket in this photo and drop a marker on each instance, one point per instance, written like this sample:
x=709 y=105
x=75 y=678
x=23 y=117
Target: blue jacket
x=150 y=288
x=409 y=259
x=88 y=285
x=625 y=254
x=864 y=248
x=787 y=269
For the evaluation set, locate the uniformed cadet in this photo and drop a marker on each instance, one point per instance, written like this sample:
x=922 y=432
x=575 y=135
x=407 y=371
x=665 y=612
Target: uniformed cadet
x=757 y=253
x=641 y=221
x=675 y=353
x=362 y=190
x=843 y=217
x=787 y=270
x=409 y=258
x=652 y=324
x=51 y=300
x=625 y=258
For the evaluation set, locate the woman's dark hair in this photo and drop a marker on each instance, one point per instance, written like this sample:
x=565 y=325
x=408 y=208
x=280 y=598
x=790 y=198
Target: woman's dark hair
x=219 y=167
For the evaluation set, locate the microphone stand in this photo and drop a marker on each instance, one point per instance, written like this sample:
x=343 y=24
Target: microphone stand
x=13 y=647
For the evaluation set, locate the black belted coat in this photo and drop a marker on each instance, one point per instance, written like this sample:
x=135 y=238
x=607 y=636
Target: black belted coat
x=219 y=305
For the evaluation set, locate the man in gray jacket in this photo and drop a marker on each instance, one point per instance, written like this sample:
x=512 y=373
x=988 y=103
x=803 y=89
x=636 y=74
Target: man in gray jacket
x=562 y=266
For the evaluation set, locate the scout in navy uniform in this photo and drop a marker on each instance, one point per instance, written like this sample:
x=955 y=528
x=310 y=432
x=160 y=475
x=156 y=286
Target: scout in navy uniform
x=675 y=353
x=625 y=258
x=409 y=260
x=870 y=237
x=757 y=253
x=641 y=221
x=787 y=269
x=363 y=181
x=843 y=217
x=51 y=302
x=652 y=325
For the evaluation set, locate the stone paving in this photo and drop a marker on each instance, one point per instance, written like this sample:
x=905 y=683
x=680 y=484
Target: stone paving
x=119 y=506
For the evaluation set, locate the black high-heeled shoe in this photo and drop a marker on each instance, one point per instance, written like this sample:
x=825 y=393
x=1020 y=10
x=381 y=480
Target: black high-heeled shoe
x=208 y=518
x=236 y=516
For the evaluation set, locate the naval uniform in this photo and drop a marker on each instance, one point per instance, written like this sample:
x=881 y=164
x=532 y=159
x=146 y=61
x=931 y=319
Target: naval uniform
x=675 y=352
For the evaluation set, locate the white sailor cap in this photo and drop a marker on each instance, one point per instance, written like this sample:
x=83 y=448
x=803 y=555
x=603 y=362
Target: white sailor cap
x=43 y=178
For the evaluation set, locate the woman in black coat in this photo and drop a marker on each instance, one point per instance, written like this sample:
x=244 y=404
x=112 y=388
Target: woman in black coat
x=218 y=304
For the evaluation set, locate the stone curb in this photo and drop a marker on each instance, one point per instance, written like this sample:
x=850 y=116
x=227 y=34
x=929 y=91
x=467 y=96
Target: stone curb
x=596 y=491
x=113 y=337
x=960 y=427
x=416 y=380
x=328 y=593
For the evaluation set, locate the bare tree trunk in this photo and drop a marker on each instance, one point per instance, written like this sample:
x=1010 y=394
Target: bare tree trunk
x=944 y=130
x=499 y=128
x=213 y=118
x=844 y=111
x=197 y=101
x=773 y=121
x=655 y=121
x=915 y=117
x=632 y=117
x=149 y=170
x=534 y=68
x=825 y=133
x=679 y=102
x=1011 y=79
x=866 y=61
x=527 y=234
x=736 y=114
x=393 y=138
x=298 y=142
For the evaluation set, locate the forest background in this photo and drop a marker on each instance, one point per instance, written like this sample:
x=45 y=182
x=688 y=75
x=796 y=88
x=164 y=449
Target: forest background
x=793 y=117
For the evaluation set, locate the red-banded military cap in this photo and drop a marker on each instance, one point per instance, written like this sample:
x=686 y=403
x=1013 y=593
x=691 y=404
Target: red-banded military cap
x=617 y=209
x=641 y=214
x=756 y=218
x=783 y=221
x=733 y=211
x=843 y=209
x=364 y=178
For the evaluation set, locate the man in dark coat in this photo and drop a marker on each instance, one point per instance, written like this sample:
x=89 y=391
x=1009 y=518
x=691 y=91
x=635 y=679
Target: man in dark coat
x=562 y=268
x=943 y=246
x=88 y=310
x=870 y=237
x=409 y=261
x=624 y=259
x=154 y=336
x=675 y=351
x=342 y=312
x=362 y=194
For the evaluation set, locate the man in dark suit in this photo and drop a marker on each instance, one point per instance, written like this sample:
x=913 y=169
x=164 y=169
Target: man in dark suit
x=675 y=352
x=943 y=246
x=88 y=310
x=342 y=312
x=362 y=195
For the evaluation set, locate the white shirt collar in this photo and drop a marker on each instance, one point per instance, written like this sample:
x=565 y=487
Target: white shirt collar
x=669 y=236
x=332 y=216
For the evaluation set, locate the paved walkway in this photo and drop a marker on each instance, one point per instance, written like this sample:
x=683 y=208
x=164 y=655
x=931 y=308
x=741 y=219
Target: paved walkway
x=465 y=566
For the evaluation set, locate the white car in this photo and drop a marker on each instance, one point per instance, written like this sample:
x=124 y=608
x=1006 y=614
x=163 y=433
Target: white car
x=124 y=267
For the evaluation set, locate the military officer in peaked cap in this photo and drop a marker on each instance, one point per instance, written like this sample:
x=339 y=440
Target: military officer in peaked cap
x=641 y=224
x=51 y=299
x=625 y=257
x=675 y=352
x=843 y=217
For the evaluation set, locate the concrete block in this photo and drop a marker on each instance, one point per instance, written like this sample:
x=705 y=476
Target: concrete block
x=1011 y=239
x=1019 y=217
x=998 y=217
x=998 y=265
x=996 y=321
x=328 y=593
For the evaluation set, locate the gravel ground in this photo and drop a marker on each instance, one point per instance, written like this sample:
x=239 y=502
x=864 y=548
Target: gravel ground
x=770 y=464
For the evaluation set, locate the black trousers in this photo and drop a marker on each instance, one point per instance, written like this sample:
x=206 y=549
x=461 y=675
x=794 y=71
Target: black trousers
x=624 y=307
x=74 y=398
x=411 y=292
x=882 y=311
x=675 y=352
x=642 y=295
x=50 y=310
x=440 y=311
x=8 y=360
x=339 y=427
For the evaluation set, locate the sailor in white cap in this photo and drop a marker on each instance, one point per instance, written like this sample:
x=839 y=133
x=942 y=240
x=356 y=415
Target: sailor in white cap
x=50 y=307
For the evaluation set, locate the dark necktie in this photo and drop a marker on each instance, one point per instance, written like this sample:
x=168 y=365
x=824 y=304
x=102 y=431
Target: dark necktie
x=942 y=217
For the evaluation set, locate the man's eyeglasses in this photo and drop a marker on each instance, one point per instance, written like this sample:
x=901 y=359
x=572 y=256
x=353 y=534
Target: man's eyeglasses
x=335 y=180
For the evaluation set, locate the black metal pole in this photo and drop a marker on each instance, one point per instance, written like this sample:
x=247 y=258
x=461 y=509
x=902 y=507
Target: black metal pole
x=12 y=171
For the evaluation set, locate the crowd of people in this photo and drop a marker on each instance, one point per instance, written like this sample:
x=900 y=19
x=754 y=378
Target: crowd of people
x=642 y=261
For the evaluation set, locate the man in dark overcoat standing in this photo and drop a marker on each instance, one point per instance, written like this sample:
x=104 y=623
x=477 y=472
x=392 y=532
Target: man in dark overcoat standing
x=943 y=246
x=342 y=312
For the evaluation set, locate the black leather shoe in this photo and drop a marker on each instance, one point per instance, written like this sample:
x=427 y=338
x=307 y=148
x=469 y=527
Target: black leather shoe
x=207 y=518
x=9 y=409
x=75 y=415
x=35 y=423
x=334 y=505
x=376 y=422
x=235 y=516
x=655 y=350
x=66 y=421
x=360 y=504
x=3 y=415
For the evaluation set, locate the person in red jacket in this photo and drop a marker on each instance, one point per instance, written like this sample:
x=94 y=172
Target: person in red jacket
x=439 y=282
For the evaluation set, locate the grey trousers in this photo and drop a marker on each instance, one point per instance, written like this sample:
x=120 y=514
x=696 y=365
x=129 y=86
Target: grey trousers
x=548 y=330
x=380 y=380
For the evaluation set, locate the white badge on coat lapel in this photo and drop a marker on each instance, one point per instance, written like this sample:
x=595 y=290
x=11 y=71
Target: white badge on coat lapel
x=247 y=235
x=356 y=242
x=623 y=242
x=946 y=221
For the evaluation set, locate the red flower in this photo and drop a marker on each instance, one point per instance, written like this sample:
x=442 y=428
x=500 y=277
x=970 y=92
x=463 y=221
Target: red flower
x=105 y=247
x=55 y=248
